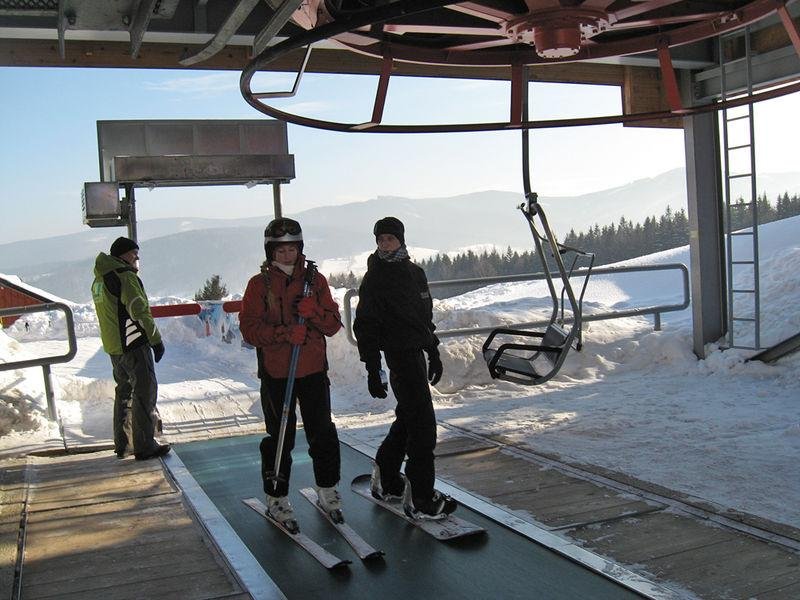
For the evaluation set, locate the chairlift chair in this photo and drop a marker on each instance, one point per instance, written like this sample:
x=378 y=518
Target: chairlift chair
x=519 y=361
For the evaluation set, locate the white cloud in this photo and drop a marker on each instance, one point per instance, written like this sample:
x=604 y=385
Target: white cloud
x=197 y=84
x=307 y=109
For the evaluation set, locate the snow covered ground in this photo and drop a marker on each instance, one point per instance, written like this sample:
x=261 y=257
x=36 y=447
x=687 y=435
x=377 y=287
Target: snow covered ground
x=635 y=400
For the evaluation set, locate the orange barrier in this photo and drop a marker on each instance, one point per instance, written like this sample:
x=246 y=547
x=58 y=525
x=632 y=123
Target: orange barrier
x=182 y=310
x=175 y=310
x=232 y=306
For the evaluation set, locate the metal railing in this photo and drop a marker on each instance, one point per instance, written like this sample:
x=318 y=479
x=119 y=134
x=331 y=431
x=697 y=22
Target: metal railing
x=45 y=361
x=655 y=310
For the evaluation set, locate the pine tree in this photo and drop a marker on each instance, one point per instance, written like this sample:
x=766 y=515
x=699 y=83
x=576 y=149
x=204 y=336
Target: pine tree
x=212 y=290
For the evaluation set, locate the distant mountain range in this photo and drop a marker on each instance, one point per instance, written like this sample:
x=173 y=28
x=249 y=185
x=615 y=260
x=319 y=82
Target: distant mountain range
x=178 y=255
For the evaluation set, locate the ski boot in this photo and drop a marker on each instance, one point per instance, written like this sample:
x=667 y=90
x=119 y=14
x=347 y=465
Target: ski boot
x=437 y=508
x=279 y=509
x=377 y=490
x=330 y=501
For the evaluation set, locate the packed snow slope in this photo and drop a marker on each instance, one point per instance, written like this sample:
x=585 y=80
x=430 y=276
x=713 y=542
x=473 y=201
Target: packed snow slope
x=634 y=400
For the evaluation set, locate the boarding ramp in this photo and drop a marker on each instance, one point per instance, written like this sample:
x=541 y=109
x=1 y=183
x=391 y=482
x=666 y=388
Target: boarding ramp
x=770 y=355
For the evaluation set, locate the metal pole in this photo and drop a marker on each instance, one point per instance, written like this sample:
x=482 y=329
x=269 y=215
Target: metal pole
x=131 y=205
x=52 y=413
x=276 y=199
x=52 y=410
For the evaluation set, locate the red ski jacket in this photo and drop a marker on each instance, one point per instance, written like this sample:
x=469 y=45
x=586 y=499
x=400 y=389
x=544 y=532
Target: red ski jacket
x=269 y=307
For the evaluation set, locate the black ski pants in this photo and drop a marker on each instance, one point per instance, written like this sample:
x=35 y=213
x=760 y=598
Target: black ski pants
x=312 y=392
x=135 y=413
x=413 y=432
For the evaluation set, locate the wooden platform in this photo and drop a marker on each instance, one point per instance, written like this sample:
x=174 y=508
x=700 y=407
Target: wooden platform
x=96 y=527
x=673 y=543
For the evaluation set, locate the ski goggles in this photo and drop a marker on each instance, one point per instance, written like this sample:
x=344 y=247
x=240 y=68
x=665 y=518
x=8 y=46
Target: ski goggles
x=283 y=230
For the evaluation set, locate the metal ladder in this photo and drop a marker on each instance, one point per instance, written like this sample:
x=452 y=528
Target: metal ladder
x=738 y=130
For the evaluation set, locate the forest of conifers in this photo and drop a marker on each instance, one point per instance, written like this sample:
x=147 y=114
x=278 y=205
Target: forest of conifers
x=610 y=243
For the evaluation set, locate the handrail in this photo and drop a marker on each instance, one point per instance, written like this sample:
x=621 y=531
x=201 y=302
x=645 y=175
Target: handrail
x=45 y=361
x=655 y=310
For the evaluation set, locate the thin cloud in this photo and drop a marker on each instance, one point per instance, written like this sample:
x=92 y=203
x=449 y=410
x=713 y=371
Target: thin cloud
x=308 y=108
x=197 y=84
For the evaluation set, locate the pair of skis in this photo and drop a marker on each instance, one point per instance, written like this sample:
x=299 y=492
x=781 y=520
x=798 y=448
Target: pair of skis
x=449 y=528
x=361 y=547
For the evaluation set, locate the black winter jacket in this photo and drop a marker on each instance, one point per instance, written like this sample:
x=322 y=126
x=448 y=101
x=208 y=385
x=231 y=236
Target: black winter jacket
x=395 y=310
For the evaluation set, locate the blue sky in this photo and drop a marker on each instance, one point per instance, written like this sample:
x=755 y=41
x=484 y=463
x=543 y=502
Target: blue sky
x=49 y=141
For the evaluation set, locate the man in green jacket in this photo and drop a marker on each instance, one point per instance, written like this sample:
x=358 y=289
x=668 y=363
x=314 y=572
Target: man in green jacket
x=128 y=332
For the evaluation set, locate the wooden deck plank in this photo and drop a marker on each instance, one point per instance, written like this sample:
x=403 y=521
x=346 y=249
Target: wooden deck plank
x=152 y=550
x=178 y=587
x=62 y=536
x=460 y=445
x=655 y=535
x=102 y=485
x=110 y=506
x=492 y=472
x=91 y=480
x=9 y=533
x=740 y=567
x=710 y=561
x=12 y=501
x=100 y=527
x=554 y=499
x=194 y=564
x=90 y=464
x=577 y=511
x=119 y=535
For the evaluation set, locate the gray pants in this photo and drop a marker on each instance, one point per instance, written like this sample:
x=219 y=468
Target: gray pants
x=135 y=413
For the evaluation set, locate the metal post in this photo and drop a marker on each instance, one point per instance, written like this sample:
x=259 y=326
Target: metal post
x=276 y=199
x=52 y=412
x=706 y=241
x=130 y=205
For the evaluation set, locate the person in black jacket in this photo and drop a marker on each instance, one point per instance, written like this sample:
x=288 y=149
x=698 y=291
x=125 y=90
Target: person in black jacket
x=395 y=315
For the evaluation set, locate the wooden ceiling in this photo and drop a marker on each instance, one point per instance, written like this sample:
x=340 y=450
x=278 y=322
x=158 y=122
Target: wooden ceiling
x=476 y=39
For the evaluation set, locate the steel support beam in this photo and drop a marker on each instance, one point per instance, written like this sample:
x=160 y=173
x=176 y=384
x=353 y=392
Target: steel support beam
x=706 y=232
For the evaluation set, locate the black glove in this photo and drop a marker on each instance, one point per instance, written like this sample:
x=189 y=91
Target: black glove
x=375 y=385
x=435 y=368
x=158 y=351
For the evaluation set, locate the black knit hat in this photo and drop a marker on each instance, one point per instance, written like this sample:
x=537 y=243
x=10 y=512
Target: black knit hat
x=391 y=225
x=122 y=245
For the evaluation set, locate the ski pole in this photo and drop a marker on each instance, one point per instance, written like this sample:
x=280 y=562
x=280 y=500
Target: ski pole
x=311 y=269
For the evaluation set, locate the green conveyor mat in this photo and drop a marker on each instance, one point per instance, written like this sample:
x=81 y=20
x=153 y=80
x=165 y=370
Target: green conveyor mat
x=500 y=565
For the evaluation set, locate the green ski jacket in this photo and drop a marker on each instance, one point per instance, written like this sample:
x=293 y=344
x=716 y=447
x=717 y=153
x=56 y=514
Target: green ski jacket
x=121 y=305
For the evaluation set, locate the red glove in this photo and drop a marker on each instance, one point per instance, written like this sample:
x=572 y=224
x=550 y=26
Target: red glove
x=297 y=334
x=308 y=308
x=280 y=334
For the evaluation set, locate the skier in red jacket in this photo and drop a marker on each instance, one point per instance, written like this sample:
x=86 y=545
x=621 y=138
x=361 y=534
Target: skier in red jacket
x=271 y=305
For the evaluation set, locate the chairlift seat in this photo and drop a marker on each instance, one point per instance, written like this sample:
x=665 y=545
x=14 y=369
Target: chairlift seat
x=507 y=362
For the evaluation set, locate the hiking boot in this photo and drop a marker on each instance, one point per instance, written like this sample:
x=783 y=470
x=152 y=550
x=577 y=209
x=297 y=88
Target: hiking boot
x=330 y=501
x=384 y=494
x=280 y=510
x=160 y=450
x=437 y=508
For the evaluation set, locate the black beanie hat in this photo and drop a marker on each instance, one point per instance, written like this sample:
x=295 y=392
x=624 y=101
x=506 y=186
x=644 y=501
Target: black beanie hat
x=390 y=225
x=122 y=245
